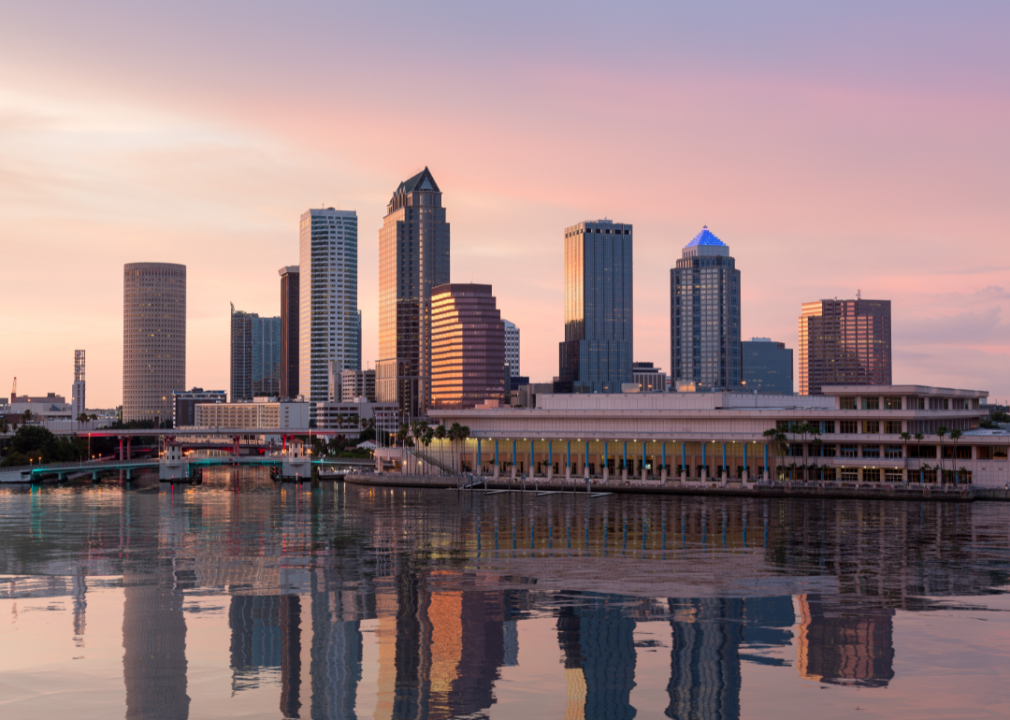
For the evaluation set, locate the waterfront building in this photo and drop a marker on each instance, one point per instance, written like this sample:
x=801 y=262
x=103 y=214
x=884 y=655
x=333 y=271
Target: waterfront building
x=154 y=339
x=184 y=404
x=351 y=416
x=648 y=377
x=512 y=348
x=255 y=356
x=595 y=356
x=767 y=366
x=259 y=414
x=467 y=346
x=721 y=435
x=357 y=384
x=705 y=315
x=290 y=294
x=413 y=259
x=78 y=403
x=844 y=342
x=328 y=301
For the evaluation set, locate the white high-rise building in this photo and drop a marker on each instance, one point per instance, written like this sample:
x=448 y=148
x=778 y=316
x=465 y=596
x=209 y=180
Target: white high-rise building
x=77 y=401
x=512 y=348
x=328 y=298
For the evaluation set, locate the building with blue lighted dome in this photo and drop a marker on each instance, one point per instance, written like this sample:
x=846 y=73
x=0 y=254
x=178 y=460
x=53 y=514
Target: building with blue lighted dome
x=705 y=316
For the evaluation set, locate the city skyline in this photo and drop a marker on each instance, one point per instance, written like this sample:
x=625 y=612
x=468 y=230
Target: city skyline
x=811 y=168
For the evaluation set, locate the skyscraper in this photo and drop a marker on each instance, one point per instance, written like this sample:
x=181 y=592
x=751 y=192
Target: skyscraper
x=78 y=402
x=512 y=348
x=357 y=365
x=467 y=346
x=767 y=366
x=595 y=355
x=154 y=339
x=413 y=259
x=705 y=315
x=844 y=342
x=255 y=356
x=289 y=331
x=328 y=302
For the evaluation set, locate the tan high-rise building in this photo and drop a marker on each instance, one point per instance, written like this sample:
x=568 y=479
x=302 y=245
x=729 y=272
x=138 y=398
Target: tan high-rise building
x=844 y=342
x=154 y=339
x=467 y=346
x=413 y=259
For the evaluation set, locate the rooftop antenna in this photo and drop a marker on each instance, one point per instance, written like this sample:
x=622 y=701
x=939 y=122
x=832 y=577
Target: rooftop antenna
x=859 y=294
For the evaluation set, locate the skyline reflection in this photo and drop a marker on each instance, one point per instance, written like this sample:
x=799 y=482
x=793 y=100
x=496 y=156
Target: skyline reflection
x=416 y=605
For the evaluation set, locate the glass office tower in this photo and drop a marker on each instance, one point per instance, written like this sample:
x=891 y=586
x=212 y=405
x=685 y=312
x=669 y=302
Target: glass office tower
x=255 y=356
x=289 y=332
x=705 y=316
x=328 y=302
x=844 y=342
x=595 y=355
x=413 y=259
x=767 y=366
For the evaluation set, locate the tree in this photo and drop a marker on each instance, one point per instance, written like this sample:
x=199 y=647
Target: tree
x=464 y=434
x=429 y=434
x=455 y=433
x=82 y=418
x=905 y=437
x=955 y=435
x=918 y=451
x=774 y=437
x=3 y=425
x=26 y=417
x=401 y=435
x=940 y=433
x=440 y=435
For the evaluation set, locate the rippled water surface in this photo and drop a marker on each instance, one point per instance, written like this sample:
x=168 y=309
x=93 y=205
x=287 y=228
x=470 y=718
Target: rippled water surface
x=240 y=598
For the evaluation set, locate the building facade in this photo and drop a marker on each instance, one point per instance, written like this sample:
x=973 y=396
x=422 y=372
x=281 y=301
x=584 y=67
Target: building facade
x=289 y=331
x=256 y=353
x=596 y=354
x=413 y=259
x=512 y=348
x=357 y=384
x=353 y=417
x=767 y=366
x=328 y=302
x=844 y=342
x=467 y=346
x=259 y=415
x=705 y=315
x=648 y=377
x=706 y=436
x=154 y=339
x=184 y=404
x=78 y=402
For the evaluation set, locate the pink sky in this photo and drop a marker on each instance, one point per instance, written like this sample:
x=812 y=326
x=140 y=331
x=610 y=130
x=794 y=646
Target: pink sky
x=833 y=149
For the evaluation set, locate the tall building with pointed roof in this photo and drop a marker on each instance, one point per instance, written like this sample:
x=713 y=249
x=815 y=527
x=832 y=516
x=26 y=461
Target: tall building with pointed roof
x=413 y=259
x=705 y=315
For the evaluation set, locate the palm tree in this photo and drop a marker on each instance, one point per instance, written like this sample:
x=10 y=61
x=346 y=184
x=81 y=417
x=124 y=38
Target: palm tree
x=955 y=435
x=401 y=435
x=918 y=451
x=440 y=435
x=3 y=425
x=426 y=439
x=26 y=417
x=940 y=432
x=464 y=434
x=455 y=430
x=773 y=437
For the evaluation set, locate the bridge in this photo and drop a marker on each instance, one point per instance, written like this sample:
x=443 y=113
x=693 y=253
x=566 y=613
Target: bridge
x=176 y=467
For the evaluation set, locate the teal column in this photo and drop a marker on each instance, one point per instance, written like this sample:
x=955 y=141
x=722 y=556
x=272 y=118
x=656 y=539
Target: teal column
x=605 y=456
x=704 y=462
x=724 y=457
x=664 y=457
x=587 y=453
x=625 y=455
x=531 y=456
x=745 y=462
x=478 y=455
x=497 y=466
x=683 y=455
x=643 y=454
x=766 y=458
x=513 y=453
x=568 y=456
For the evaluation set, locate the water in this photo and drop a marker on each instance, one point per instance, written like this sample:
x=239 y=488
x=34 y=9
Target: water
x=241 y=599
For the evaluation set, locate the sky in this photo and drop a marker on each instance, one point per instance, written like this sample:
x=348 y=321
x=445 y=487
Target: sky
x=834 y=147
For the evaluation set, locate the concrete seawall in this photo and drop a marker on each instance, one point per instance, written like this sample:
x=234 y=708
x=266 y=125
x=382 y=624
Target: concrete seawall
x=791 y=490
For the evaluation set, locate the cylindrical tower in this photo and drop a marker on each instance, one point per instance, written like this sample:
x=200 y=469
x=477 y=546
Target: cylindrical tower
x=154 y=339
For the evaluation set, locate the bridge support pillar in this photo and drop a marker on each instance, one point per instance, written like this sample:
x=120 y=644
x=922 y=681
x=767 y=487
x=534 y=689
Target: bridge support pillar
x=128 y=448
x=120 y=448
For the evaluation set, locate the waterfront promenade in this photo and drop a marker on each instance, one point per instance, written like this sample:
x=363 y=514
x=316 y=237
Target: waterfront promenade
x=596 y=488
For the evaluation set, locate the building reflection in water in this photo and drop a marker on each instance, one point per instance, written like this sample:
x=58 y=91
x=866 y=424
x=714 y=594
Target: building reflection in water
x=845 y=645
x=705 y=659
